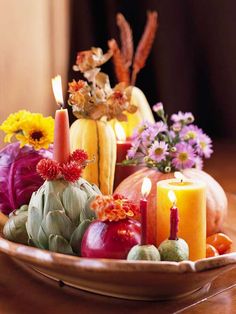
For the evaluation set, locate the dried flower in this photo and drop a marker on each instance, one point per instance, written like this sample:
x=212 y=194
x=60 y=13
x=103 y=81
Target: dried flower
x=70 y=171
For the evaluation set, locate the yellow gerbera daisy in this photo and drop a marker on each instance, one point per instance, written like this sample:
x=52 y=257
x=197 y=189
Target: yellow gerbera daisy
x=37 y=131
x=13 y=124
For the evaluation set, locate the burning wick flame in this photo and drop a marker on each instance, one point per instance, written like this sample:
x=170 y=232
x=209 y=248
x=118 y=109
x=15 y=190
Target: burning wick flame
x=120 y=133
x=179 y=176
x=172 y=197
x=146 y=187
x=57 y=90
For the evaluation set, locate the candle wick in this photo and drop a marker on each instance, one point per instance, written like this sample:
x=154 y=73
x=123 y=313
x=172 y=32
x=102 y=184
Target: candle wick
x=61 y=105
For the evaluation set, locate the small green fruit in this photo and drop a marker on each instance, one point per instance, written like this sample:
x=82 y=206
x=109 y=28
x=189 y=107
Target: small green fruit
x=174 y=250
x=144 y=252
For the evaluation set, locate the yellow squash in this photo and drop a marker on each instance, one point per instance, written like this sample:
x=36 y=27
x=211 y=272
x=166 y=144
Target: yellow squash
x=144 y=112
x=97 y=138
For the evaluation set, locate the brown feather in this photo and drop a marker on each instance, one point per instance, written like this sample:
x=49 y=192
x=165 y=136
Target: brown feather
x=121 y=71
x=145 y=44
x=126 y=38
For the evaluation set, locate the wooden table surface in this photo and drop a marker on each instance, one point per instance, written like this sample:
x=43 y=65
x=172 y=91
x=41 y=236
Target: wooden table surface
x=24 y=291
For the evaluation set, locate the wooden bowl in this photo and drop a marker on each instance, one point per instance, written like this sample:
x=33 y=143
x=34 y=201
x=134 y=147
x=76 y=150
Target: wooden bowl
x=138 y=280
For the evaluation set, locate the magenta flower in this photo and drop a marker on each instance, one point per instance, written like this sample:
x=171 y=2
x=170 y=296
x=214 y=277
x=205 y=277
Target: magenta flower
x=158 y=151
x=204 y=145
x=185 y=117
x=184 y=157
x=190 y=133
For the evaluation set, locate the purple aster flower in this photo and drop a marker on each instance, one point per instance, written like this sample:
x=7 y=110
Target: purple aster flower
x=185 y=117
x=158 y=151
x=198 y=162
x=176 y=127
x=148 y=136
x=204 y=145
x=142 y=126
x=158 y=107
x=160 y=127
x=190 y=133
x=184 y=157
x=131 y=154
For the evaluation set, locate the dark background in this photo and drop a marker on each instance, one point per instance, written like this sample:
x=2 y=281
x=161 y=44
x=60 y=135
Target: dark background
x=192 y=66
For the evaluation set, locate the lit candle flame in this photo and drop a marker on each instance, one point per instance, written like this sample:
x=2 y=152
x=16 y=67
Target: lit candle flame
x=57 y=90
x=172 y=197
x=120 y=133
x=179 y=176
x=146 y=187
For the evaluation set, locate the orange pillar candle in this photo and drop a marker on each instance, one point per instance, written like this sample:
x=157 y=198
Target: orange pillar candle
x=191 y=196
x=61 y=146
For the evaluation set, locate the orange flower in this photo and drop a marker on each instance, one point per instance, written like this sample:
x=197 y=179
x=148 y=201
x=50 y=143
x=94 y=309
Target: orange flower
x=114 y=208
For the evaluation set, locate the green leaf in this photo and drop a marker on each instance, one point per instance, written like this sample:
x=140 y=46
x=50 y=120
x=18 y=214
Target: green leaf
x=57 y=223
x=74 y=200
x=86 y=212
x=33 y=223
x=42 y=239
x=58 y=244
x=77 y=236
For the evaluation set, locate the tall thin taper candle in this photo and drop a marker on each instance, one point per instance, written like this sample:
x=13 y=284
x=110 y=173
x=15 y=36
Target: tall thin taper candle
x=61 y=146
x=145 y=190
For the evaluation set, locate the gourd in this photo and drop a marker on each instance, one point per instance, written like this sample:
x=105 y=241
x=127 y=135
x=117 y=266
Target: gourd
x=143 y=113
x=97 y=138
x=216 y=198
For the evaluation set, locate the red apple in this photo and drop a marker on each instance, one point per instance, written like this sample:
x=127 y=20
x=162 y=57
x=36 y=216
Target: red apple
x=110 y=239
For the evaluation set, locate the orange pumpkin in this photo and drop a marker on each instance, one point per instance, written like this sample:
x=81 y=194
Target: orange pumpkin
x=216 y=198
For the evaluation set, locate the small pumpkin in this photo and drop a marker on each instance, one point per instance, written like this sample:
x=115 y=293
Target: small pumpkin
x=216 y=198
x=139 y=100
x=97 y=138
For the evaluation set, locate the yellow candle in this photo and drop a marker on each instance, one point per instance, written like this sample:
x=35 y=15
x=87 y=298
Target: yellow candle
x=191 y=202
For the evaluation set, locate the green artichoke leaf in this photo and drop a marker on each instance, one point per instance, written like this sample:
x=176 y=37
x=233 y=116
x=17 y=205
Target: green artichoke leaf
x=59 y=244
x=74 y=200
x=96 y=189
x=87 y=212
x=77 y=236
x=42 y=239
x=33 y=223
x=58 y=223
x=87 y=188
x=15 y=229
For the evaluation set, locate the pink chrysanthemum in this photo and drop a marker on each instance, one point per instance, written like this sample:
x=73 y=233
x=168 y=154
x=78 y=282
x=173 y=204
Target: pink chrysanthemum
x=190 y=133
x=158 y=107
x=185 y=117
x=158 y=151
x=204 y=145
x=148 y=136
x=184 y=156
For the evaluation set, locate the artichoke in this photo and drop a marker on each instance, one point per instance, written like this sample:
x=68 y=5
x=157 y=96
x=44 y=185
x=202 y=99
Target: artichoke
x=15 y=229
x=59 y=214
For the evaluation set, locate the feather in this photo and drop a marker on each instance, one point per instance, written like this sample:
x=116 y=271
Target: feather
x=121 y=70
x=145 y=44
x=126 y=38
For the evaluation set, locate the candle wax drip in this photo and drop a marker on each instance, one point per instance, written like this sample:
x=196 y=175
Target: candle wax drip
x=174 y=223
